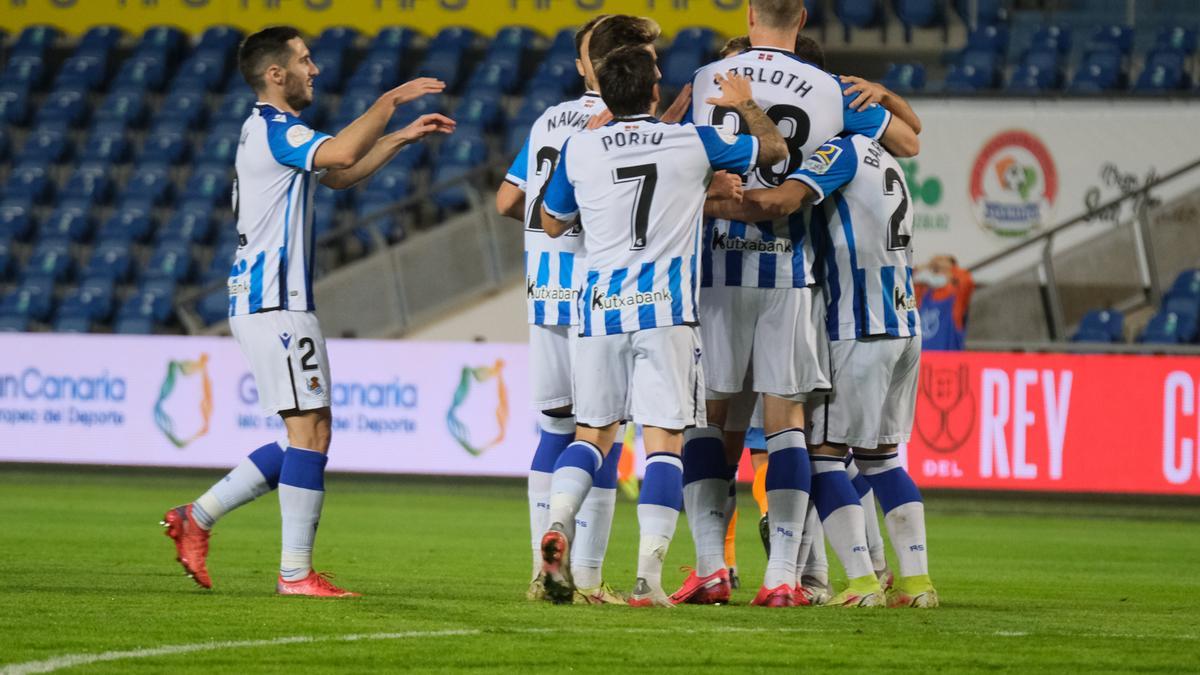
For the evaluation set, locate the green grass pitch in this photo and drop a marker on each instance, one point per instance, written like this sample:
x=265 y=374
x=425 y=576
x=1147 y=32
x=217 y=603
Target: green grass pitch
x=1027 y=584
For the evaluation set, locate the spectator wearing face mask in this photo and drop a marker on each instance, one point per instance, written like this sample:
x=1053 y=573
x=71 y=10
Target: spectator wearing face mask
x=943 y=292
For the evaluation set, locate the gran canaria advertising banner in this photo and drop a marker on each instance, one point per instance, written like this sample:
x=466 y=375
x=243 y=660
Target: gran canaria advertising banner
x=426 y=16
x=986 y=421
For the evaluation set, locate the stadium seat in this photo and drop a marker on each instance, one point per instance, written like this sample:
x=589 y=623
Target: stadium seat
x=220 y=263
x=149 y=184
x=24 y=71
x=164 y=42
x=435 y=103
x=482 y=113
x=90 y=183
x=71 y=220
x=1119 y=37
x=14 y=105
x=132 y=221
x=211 y=183
x=92 y=301
x=33 y=299
x=1100 y=71
x=919 y=14
x=191 y=223
x=395 y=41
x=1176 y=38
x=990 y=38
x=220 y=147
x=493 y=77
x=100 y=40
x=204 y=71
x=445 y=65
x=110 y=259
x=151 y=304
x=64 y=107
x=45 y=146
x=680 y=64
x=6 y=257
x=11 y=323
x=1030 y=80
x=1184 y=294
x=376 y=73
x=1160 y=79
x=1054 y=37
x=142 y=72
x=392 y=183
x=989 y=11
x=185 y=109
x=51 y=259
x=905 y=77
x=125 y=106
x=35 y=40
x=171 y=259
x=553 y=80
x=335 y=39
x=1168 y=327
x=1101 y=325
x=213 y=307
x=332 y=71
x=72 y=324
x=373 y=214
x=86 y=72
x=454 y=38
x=16 y=219
x=224 y=39
x=30 y=182
x=4 y=144
x=986 y=65
x=858 y=13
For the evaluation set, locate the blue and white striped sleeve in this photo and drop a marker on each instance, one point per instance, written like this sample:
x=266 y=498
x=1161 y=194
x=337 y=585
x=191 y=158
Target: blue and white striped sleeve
x=738 y=154
x=518 y=173
x=559 y=194
x=293 y=143
x=872 y=122
x=831 y=167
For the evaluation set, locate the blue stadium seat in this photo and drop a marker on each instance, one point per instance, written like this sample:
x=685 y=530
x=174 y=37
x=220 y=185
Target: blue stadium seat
x=132 y=221
x=100 y=39
x=1101 y=70
x=990 y=11
x=335 y=39
x=106 y=145
x=35 y=40
x=33 y=299
x=479 y=112
x=213 y=307
x=171 y=259
x=71 y=220
x=16 y=218
x=165 y=146
x=224 y=39
x=220 y=263
x=26 y=71
x=1167 y=327
x=680 y=64
x=990 y=38
x=375 y=74
x=90 y=183
x=1101 y=325
x=164 y=42
x=919 y=14
x=149 y=184
x=1176 y=38
x=510 y=44
x=72 y=324
x=109 y=260
x=186 y=109
x=220 y=146
x=6 y=257
x=1161 y=79
x=144 y=71
x=45 y=146
x=191 y=223
x=456 y=157
x=1184 y=294
x=30 y=182
x=445 y=65
x=435 y=103
x=494 y=77
x=4 y=145
x=332 y=71
x=14 y=105
x=858 y=13
x=905 y=78
x=1030 y=80
x=391 y=225
x=201 y=72
x=124 y=106
x=964 y=80
x=211 y=183
x=85 y=72
x=390 y=184
x=64 y=107
x=553 y=79
x=454 y=38
x=393 y=40
x=92 y=300
x=150 y=305
x=51 y=259
x=1118 y=36
x=1055 y=37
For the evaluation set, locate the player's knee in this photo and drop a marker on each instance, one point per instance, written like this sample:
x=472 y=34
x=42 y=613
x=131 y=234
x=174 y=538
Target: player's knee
x=882 y=449
x=716 y=410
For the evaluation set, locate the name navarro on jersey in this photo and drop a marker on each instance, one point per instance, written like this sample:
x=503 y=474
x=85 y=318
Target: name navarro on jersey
x=622 y=139
x=568 y=118
x=602 y=300
x=776 y=77
x=723 y=242
x=548 y=293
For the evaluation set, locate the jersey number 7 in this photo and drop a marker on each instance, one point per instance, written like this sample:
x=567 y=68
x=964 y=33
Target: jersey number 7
x=646 y=177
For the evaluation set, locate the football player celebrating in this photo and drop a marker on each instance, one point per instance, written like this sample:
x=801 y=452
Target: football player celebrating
x=279 y=160
x=639 y=186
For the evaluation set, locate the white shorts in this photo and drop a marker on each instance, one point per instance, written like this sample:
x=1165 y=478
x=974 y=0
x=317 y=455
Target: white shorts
x=779 y=333
x=653 y=377
x=287 y=355
x=551 y=352
x=874 y=393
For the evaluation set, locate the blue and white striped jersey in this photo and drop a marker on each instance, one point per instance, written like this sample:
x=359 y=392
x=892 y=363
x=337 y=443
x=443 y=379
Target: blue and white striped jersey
x=272 y=200
x=553 y=267
x=809 y=107
x=862 y=228
x=638 y=186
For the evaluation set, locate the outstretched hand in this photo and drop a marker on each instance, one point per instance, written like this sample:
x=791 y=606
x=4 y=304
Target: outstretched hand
x=415 y=89
x=735 y=90
x=869 y=93
x=425 y=125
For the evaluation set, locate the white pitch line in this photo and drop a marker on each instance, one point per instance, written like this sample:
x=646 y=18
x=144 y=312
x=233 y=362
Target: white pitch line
x=74 y=660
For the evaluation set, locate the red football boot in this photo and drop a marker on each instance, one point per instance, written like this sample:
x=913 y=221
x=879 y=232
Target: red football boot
x=713 y=589
x=556 y=571
x=801 y=596
x=315 y=585
x=191 y=543
x=780 y=596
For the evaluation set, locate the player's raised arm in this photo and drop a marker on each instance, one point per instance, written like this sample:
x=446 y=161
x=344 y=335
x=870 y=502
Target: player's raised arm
x=878 y=123
x=354 y=142
x=385 y=149
x=867 y=92
x=832 y=166
x=510 y=195
x=736 y=94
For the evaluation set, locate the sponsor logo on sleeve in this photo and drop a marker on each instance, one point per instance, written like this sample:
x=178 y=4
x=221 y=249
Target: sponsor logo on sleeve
x=821 y=160
x=298 y=135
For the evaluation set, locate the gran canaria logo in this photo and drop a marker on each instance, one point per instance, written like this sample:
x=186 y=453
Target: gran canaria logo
x=183 y=411
x=1014 y=184
x=474 y=400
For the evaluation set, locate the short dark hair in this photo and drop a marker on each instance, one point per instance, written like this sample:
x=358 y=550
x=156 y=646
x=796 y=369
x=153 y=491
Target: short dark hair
x=268 y=47
x=584 y=30
x=627 y=78
x=778 y=13
x=810 y=50
x=621 y=30
x=736 y=45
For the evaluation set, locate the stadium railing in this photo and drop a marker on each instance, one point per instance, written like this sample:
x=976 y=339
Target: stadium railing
x=1147 y=285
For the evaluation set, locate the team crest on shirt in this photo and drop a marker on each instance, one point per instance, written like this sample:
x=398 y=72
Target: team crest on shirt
x=821 y=160
x=298 y=135
x=314 y=386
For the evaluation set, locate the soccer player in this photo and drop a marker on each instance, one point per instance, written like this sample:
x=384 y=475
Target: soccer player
x=279 y=160
x=553 y=272
x=863 y=224
x=760 y=309
x=639 y=186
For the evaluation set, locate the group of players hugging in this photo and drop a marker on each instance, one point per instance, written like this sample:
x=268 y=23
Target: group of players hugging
x=742 y=261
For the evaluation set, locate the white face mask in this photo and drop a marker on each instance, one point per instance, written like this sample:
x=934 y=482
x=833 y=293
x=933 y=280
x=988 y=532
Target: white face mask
x=931 y=279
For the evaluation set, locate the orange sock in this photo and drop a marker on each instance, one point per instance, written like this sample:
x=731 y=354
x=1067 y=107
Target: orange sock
x=759 y=488
x=731 y=542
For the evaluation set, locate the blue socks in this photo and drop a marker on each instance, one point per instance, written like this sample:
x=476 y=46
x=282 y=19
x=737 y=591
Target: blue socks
x=788 y=483
x=658 y=513
x=301 y=496
x=593 y=523
x=574 y=473
x=904 y=512
x=557 y=433
x=841 y=515
x=706 y=496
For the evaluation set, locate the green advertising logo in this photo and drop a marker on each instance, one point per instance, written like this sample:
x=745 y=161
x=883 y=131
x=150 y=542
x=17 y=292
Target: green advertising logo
x=925 y=193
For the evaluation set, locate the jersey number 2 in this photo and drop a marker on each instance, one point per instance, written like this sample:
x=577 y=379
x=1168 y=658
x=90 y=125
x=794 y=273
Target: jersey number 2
x=646 y=177
x=899 y=233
